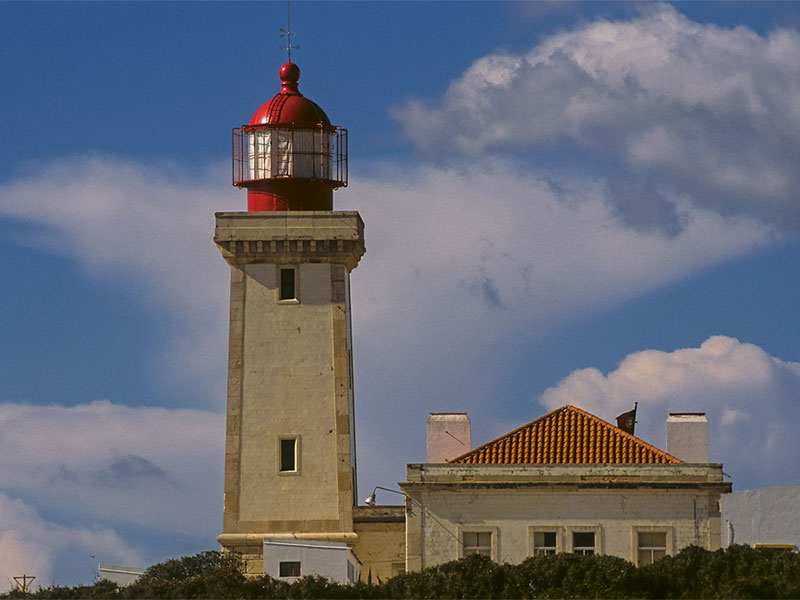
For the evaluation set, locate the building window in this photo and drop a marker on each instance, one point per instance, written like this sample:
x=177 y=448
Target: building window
x=288 y=455
x=583 y=542
x=287 y=284
x=290 y=568
x=544 y=543
x=477 y=542
x=651 y=545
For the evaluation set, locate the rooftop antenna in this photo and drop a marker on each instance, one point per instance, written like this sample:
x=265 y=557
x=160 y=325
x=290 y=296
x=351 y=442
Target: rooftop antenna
x=287 y=33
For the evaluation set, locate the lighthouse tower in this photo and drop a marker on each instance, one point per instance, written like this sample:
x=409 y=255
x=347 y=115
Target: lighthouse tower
x=290 y=463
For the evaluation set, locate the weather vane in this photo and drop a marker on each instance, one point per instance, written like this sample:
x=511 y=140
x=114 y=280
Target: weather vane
x=287 y=33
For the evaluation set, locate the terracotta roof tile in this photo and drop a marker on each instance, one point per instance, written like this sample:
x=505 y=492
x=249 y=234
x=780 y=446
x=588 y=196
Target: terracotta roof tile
x=566 y=435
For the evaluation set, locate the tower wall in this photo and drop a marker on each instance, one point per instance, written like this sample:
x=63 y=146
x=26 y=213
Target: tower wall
x=289 y=377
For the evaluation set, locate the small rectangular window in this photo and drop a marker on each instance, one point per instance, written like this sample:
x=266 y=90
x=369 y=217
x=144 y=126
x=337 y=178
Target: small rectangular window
x=290 y=568
x=544 y=543
x=478 y=542
x=652 y=546
x=287 y=284
x=583 y=542
x=289 y=455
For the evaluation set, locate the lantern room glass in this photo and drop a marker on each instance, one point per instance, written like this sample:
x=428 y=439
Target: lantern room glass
x=299 y=153
x=276 y=152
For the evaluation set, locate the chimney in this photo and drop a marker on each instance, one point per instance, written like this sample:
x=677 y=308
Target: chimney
x=449 y=435
x=687 y=436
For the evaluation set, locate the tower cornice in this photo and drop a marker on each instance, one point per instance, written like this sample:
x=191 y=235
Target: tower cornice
x=287 y=237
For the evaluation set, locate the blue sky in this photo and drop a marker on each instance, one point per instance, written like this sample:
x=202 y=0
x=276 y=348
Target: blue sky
x=585 y=203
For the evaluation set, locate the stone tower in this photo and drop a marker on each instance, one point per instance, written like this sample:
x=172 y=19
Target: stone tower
x=290 y=462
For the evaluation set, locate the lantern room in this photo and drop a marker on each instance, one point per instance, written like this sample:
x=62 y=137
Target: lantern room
x=289 y=156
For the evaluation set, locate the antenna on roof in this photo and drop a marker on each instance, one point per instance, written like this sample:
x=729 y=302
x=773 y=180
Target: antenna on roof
x=287 y=33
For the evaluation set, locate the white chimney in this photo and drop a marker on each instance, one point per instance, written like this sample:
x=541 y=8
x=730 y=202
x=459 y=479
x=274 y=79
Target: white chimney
x=449 y=435
x=687 y=436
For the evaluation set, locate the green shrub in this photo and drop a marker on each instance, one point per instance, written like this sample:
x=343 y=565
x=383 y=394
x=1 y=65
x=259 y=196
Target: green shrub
x=206 y=575
x=737 y=572
x=572 y=576
x=473 y=576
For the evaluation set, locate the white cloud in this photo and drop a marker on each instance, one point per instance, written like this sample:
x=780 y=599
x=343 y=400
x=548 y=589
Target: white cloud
x=31 y=545
x=148 y=229
x=488 y=237
x=691 y=108
x=155 y=469
x=750 y=399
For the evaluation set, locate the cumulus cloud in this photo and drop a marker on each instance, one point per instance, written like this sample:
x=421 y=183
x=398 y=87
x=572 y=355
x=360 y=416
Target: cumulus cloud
x=101 y=472
x=31 y=545
x=460 y=261
x=149 y=229
x=749 y=397
x=490 y=236
x=151 y=468
x=673 y=105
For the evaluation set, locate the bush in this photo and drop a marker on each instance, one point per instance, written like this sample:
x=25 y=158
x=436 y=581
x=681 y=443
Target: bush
x=210 y=574
x=574 y=576
x=101 y=589
x=738 y=572
x=473 y=576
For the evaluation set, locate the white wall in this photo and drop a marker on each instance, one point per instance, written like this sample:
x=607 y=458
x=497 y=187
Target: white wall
x=329 y=559
x=763 y=516
x=120 y=575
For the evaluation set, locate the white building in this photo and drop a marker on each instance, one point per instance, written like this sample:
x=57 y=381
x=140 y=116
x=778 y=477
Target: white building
x=290 y=559
x=766 y=517
x=566 y=482
x=119 y=574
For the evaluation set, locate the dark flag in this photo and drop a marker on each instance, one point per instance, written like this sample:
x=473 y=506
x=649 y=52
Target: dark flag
x=627 y=420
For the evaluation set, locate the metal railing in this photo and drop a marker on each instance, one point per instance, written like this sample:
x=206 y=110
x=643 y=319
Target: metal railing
x=266 y=152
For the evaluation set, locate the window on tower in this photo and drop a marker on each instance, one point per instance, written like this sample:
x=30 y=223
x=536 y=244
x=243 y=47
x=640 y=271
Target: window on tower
x=287 y=284
x=288 y=455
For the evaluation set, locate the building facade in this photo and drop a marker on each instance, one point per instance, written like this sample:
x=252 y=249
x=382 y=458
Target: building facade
x=566 y=482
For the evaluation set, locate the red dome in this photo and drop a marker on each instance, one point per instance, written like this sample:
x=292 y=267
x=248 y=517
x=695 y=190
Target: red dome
x=289 y=106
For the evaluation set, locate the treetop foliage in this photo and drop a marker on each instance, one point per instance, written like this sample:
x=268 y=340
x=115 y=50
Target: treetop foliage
x=736 y=572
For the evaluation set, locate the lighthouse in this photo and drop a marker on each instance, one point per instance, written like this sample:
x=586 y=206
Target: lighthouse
x=290 y=461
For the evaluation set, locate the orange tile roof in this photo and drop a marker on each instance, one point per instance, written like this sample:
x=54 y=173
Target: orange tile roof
x=566 y=435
